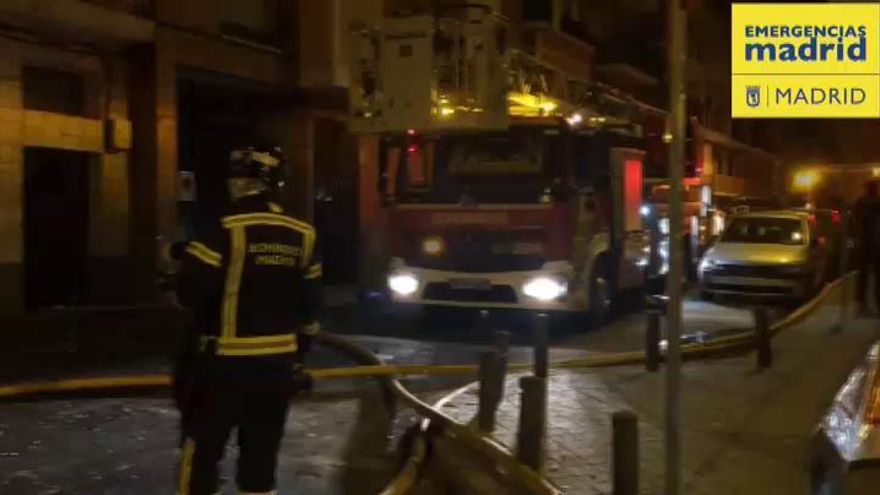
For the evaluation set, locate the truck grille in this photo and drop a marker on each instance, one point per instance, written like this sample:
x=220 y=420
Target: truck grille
x=441 y=291
x=487 y=252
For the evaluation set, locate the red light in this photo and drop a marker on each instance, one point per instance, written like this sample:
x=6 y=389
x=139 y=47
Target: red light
x=413 y=148
x=410 y=132
x=633 y=192
x=836 y=217
x=812 y=219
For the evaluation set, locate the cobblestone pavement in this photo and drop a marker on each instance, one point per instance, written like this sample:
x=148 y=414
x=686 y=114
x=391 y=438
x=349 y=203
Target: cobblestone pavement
x=127 y=446
x=744 y=432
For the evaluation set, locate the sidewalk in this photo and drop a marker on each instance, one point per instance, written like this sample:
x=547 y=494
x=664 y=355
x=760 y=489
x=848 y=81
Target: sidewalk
x=744 y=432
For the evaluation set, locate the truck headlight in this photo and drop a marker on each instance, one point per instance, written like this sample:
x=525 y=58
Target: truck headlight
x=433 y=245
x=545 y=288
x=404 y=284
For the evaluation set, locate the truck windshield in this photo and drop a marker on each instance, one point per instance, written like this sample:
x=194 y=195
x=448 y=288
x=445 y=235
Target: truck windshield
x=496 y=156
x=756 y=230
x=516 y=165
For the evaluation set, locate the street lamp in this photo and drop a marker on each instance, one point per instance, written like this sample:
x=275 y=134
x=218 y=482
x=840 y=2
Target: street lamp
x=805 y=181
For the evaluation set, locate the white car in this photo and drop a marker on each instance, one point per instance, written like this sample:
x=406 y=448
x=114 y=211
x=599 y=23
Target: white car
x=771 y=254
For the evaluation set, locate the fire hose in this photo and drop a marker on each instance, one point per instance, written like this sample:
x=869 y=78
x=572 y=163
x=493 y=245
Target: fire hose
x=689 y=351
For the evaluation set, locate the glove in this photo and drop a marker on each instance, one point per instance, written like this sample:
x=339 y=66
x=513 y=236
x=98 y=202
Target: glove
x=301 y=380
x=305 y=338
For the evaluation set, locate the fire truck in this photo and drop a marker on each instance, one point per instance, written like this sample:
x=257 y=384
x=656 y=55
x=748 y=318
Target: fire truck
x=508 y=183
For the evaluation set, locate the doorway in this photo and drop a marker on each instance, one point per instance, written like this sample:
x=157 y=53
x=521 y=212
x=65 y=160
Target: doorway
x=216 y=114
x=56 y=227
x=336 y=200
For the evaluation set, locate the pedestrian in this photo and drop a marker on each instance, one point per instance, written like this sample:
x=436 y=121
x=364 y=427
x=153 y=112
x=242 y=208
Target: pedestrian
x=252 y=283
x=866 y=216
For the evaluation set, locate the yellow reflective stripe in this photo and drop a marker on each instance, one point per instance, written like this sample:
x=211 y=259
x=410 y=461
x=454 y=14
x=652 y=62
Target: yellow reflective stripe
x=309 y=247
x=257 y=346
x=204 y=249
x=257 y=351
x=203 y=253
x=265 y=339
x=269 y=219
x=316 y=271
x=189 y=448
x=275 y=208
x=229 y=317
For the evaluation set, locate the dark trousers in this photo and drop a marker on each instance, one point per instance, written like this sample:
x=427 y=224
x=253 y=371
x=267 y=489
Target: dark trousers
x=219 y=395
x=869 y=266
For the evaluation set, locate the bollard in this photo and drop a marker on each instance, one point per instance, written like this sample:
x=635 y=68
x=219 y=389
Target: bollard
x=532 y=421
x=656 y=307
x=625 y=453
x=483 y=323
x=502 y=349
x=502 y=343
x=489 y=396
x=844 y=304
x=652 y=342
x=542 y=329
x=762 y=338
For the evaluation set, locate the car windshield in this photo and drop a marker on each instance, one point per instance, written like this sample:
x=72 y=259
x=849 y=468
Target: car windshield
x=757 y=230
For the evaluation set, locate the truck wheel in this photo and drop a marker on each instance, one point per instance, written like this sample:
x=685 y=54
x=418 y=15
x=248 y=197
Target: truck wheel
x=601 y=296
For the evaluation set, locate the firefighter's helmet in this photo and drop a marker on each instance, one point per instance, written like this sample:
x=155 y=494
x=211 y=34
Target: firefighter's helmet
x=254 y=170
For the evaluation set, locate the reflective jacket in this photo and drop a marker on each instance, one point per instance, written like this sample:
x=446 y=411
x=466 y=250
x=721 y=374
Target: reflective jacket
x=252 y=282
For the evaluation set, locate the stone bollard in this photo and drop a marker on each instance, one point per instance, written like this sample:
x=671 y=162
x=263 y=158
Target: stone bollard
x=501 y=343
x=762 y=338
x=541 y=336
x=483 y=323
x=489 y=397
x=844 y=304
x=502 y=348
x=625 y=453
x=532 y=421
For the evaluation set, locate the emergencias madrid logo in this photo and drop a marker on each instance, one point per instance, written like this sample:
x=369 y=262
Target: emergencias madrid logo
x=805 y=60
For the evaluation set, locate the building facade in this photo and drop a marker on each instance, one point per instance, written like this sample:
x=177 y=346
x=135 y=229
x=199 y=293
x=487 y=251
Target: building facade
x=116 y=117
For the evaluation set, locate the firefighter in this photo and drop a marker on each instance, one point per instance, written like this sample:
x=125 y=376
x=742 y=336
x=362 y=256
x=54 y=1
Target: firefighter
x=866 y=216
x=251 y=282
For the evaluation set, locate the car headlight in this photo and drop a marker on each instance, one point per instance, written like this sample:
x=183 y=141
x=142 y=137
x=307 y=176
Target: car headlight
x=707 y=264
x=545 y=288
x=404 y=284
x=433 y=245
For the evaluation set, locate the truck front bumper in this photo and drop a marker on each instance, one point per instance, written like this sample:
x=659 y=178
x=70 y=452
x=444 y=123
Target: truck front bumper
x=482 y=290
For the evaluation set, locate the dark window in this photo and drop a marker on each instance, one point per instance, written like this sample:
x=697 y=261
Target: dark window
x=53 y=90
